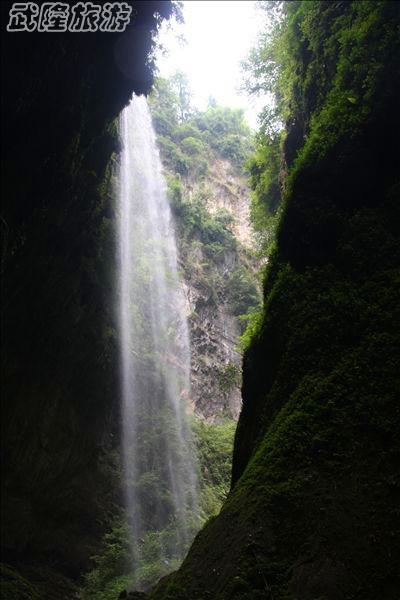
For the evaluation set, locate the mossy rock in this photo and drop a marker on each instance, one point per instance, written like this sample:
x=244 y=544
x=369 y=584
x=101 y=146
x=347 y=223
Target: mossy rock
x=15 y=587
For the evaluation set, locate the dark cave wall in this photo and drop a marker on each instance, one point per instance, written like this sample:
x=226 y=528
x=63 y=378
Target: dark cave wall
x=61 y=96
x=313 y=508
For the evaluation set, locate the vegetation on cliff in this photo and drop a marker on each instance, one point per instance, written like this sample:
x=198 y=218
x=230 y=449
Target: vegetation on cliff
x=313 y=508
x=59 y=363
x=186 y=134
x=204 y=239
x=112 y=570
x=204 y=155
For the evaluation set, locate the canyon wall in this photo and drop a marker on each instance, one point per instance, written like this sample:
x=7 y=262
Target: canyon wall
x=313 y=509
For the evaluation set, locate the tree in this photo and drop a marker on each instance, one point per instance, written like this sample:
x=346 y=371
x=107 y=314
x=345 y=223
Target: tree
x=180 y=84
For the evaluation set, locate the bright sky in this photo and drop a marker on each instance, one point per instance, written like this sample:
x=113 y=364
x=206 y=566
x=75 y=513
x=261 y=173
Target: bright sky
x=218 y=36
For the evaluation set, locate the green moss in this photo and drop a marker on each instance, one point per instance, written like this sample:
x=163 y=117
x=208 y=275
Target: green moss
x=313 y=509
x=13 y=585
x=214 y=442
x=242 y=292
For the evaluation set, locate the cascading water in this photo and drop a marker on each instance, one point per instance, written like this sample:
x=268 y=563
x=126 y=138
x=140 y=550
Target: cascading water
x=159 y=465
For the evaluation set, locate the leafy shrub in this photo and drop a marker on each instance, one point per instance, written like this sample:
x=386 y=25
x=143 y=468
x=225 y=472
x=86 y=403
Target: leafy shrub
x=174 y=155
x=13 y=585
x=229 y=377
x=225 y=130
x=174 y=191
x=214 y=443
x=242 y=291
x=185 y=130
x=192 y=146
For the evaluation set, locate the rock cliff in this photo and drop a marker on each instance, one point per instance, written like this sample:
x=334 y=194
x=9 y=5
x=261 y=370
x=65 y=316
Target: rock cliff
x=215 y=329
x=313 y=509
x=61 y=95
x=210 y=200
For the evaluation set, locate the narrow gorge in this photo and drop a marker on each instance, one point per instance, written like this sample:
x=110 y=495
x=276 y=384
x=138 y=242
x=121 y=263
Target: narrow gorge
x=199 y=317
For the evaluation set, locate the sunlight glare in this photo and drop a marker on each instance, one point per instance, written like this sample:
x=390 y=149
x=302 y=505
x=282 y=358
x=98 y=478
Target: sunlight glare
x=218 y=35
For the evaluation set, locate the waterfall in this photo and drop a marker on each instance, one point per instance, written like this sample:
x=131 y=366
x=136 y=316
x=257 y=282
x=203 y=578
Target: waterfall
x=159 y=465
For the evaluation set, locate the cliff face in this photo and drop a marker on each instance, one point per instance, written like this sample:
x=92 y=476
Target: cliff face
x=215 y=361
x=312 y=512
x=203 y=156
x=227 y=189
x=214 y=326
x=62 y=93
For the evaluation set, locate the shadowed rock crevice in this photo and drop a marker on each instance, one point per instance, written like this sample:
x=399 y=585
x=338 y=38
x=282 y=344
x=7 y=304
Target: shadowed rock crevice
x=61 y=96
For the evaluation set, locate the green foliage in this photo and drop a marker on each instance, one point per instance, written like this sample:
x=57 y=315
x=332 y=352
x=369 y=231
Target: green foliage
x=112 y=570
x=222 y=129
x=180 y=83
x=264 y=169
x=252 y=326
x=316 y=62
x=243 y=294
x=264 y=166
x=351 y=86
x=229 y=377
x=226 y=131
x=164 y=102
x=192 y=146
x=96 y=587
x=174 y=191
x=187 y=129
x=179 y=161
x=13 y=585
x=111 y=573
x=214 y=442
x=195 y=221
x=187 y=150
x=313 y=511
